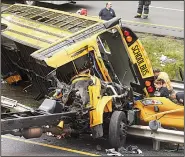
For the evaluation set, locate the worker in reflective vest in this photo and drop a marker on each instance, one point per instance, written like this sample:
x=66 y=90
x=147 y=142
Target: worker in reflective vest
x=143 y=4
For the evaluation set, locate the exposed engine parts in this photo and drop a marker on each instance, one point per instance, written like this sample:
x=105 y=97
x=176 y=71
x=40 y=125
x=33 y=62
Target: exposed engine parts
x=76 y=95
x=73 y=98
x=37 y=132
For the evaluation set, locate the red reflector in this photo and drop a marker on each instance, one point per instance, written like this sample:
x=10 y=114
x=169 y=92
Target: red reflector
x=147 y=83
x=150 y=89
x=129 y=39
x=126 y=33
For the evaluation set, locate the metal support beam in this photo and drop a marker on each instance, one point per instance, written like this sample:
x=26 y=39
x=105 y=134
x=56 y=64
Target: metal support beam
x=178 y=86
x=33 y=120
x=13 y=104
x=156 y=145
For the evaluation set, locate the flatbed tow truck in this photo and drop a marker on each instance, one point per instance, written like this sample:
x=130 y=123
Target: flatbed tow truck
x=96 y=75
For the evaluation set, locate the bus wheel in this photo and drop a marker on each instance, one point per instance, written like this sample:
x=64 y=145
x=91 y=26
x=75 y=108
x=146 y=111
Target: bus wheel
x=117 y=129
x=29 y=2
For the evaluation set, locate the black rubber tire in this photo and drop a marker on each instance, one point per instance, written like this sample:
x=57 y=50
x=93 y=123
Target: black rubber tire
x=117 y=138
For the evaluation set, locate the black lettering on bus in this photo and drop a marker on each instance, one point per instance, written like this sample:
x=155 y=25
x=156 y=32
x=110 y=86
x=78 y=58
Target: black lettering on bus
x=140 y=61
x=144 y=69
x=139 y=58
x=135 y=49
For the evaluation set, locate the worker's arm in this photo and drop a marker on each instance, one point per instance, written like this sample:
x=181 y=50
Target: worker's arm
x=100 y=13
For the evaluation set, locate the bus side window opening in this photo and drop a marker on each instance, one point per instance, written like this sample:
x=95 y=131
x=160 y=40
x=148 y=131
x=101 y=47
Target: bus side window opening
x=103 y=46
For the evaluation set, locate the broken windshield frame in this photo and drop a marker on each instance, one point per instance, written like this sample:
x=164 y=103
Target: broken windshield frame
x=115 y=56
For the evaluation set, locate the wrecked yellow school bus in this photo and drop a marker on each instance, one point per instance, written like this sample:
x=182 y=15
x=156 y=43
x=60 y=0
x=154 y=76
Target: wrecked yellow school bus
x=92 y=71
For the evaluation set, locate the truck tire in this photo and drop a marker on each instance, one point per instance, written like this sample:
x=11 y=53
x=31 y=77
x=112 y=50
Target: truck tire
x=29 y=2
x=117 y=129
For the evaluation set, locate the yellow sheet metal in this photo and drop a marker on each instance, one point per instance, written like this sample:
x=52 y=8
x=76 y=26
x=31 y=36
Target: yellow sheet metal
x=39 y=27
x=170 y=114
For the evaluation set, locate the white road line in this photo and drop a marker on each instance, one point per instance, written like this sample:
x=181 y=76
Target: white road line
x=166 y=8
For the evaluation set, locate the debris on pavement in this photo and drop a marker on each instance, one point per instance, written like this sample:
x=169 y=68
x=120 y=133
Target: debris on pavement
x=50 y=134
x=62 y=136
x=130 y=150
x=58 y=137
x=113 y=152
x=122 y=151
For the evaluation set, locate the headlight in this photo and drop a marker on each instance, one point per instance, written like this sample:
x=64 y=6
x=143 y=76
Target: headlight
x=151 y=102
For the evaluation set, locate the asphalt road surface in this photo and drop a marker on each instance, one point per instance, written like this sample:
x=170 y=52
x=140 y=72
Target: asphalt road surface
x=165 y=17
x=50 y=146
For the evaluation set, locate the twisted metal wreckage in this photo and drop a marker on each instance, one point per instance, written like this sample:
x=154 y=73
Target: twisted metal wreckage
x=97 y=76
